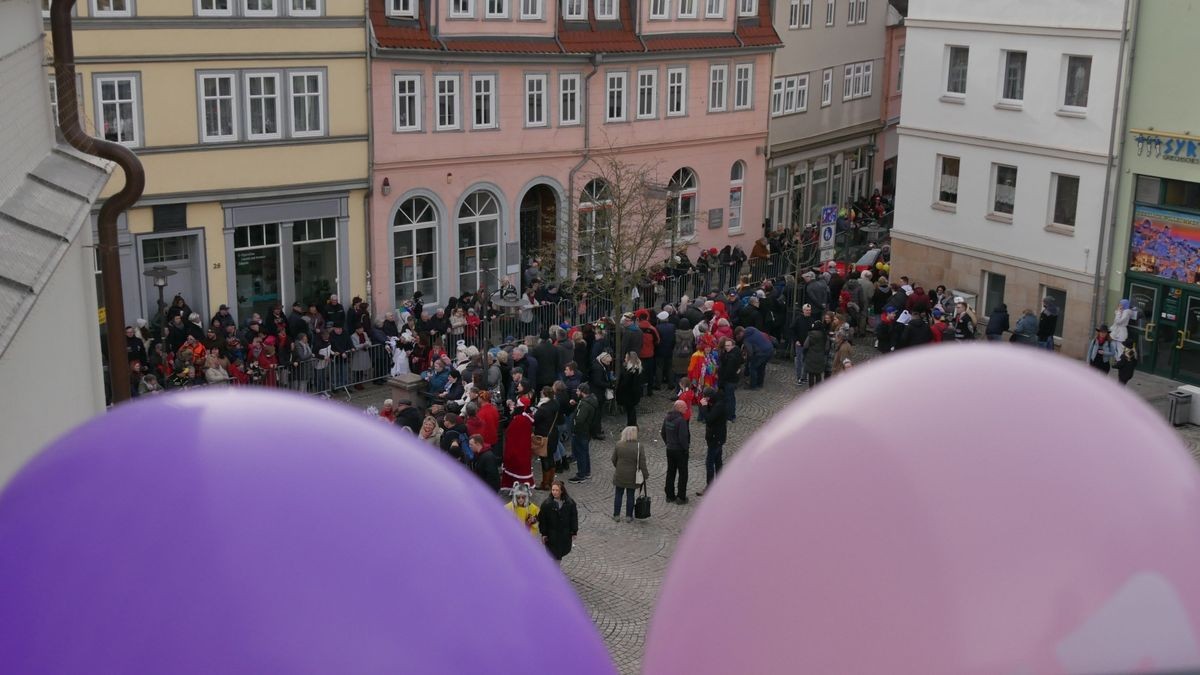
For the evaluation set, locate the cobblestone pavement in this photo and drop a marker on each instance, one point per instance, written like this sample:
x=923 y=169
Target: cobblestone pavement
x=617 y=567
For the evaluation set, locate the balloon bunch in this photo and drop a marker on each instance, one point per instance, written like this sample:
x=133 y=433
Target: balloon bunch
x=1050 y=527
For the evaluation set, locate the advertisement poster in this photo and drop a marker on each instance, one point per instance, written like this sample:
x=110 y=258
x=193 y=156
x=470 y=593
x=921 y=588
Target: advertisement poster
x=1165 y=244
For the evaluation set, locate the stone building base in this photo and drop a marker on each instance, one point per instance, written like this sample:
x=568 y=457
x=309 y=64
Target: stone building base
x=930 y=265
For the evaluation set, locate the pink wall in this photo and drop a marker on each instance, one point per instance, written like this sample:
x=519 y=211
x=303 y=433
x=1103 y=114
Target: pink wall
x=896 y=36
x=513 y=25
x=700 y=24
x=508 y=160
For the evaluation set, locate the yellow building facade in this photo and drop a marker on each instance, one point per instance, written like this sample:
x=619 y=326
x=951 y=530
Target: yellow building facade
x=251 y=119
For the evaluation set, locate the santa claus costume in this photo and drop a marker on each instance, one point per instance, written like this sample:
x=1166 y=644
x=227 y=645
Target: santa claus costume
x=518 y=447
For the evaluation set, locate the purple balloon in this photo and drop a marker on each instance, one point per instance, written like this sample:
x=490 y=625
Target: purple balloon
x=239 y=531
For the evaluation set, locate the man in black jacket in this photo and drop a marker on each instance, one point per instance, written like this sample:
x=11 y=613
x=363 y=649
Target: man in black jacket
x=547 y=359
x=678 y=437
x=296 y=323
x=334 y=313
x=712 y=409
x=340 y=350
x=729 y=367
x=545 y=424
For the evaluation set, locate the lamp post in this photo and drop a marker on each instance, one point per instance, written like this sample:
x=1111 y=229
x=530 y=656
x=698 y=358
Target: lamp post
x=160 y=274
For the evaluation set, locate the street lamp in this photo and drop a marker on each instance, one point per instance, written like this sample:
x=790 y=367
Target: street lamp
x=160 y=274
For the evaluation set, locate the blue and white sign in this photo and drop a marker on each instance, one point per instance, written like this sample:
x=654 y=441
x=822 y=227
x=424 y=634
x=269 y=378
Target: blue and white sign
x=829 y=214
x=827 y=237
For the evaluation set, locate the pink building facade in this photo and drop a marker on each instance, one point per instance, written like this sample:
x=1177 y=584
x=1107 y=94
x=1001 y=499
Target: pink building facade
x=889 y=140
x=487 y=114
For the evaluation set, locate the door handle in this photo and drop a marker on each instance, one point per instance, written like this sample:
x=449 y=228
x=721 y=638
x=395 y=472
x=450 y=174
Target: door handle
x=1150 y=331
x=1182 y=338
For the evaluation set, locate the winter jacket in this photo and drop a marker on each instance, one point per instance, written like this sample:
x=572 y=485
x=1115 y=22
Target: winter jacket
x=758 y=342
x=558 y=523
x=964 y=327
x=1106 y=351
x=626 y=462
x=587 y=415
x=816 y=351
x=728 y=365
x=998 y=321
x=916 y=333
x=546 y=357
x=675 y=432
x=629 y=388
x=666 y=339
x=1026 y=330
x=816 y=293
x=715 y=416
x=545 y=418
x=1047 y=323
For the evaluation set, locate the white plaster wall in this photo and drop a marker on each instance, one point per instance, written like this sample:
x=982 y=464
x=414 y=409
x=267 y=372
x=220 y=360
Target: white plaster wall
x=50 y=377
x=1093 y=14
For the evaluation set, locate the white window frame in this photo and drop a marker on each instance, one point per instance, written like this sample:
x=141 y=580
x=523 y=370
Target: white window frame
x=743 y=86
x=687 y=9
x=830 y=12
x=99 y=13
x=414 y=225
x=489 y=13
x=606 y=10
x=455 y=95
x=777 y=87
x=806 y=13
x=292 y=11
x=53 y=100
x=468 y=13
x=856 y=12
x=233 y=78
x=531 y=10
x=993 y=190
x=568 y=115
x=659 y=9
x=1050 y=219
x=575 y=10
x=491 y=95
x=260 y=12
x=1074 y=110
x=826 y=87
x=801 y=87
x=415 y=80
x=201 y=10
x=856 y=87
x=714 y=9
x=649 y=87
x=537 y=87
x=947 y=71
x=747 y=7
x=620 y=77
x=900 y=70
x=321 y=102
x=847 y=81
x=135 y=107
x=862 y=11
x=682 y=86
x=939 y=171
x=868 y=78
x=718 y=88
x=248 y=107
x=1005 y=54
x=736 y=186
x=793 y=14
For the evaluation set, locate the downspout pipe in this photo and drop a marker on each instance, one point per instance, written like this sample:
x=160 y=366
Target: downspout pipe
x=597 y=59
x=135 y=184
x=1116 y=147
x=368 y=37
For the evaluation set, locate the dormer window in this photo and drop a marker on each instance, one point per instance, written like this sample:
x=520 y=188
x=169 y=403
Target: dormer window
x=575 y=10
x=606 y=9
x=402 y=9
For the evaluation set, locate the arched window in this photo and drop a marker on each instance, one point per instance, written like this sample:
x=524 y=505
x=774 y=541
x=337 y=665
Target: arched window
x=737 y=175
x=478 y=242
x=594 y=242
x=681 y=204
x=414 y=251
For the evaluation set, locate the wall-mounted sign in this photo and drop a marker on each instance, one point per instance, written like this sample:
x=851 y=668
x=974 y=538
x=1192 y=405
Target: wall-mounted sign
x=1166 y=244
x=1169 y=147
x=716 y=217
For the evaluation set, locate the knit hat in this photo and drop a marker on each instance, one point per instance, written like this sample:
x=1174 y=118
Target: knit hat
x=663 y=316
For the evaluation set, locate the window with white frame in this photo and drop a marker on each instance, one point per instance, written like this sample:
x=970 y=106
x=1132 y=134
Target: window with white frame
x=799 y=194
x=215 y=8
x=777 y=191
x=112 y=8
x=714 y=9
x=595 y=240
x=647 y=94
x=900 y=70
x=304 y=8
x=718 y=82
x=794 y=14
x=681 y=202
x=575 y=10
x=117 y=101
x=478 y=241
x=830 y=11
x=615 y=97
x=658 y=9
x=847 y=81
x=531 y=9
x=568 y=99
x=1004 y=189
x=687 y=9
x=263 y=7
x=1012 y=87
x=1078 y=80
x=947 y=172
x=535 y=100
x=676 y=91
x=462 y=9
x=53 y=101
x=795 y=94
x=414 y=251
x=956 y=70
x=493 y=9
x=856 y=11
x=606 y=10
x=446 y=102
x=308 y=103
x=262 y=106
x=1064 y=199
x=408 y=102
x=747 y=7
x=867 y=77
x=737 y=175
x=777 y=97
x=826 y=87
x=805 y=13
x=483 y=99
x=218 y=107
x=743 y=86
x=857 y=80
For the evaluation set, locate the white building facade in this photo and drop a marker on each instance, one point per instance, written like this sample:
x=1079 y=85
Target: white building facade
x=1006 y=136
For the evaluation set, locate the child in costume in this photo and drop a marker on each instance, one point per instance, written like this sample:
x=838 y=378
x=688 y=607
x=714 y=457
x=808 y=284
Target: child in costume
x=524 y=509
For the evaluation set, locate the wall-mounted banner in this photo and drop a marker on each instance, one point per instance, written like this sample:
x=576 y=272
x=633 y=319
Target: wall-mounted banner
x=1166 y=244
x=1169 y=148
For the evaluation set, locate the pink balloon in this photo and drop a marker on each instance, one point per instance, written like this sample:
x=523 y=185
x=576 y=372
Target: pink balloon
x=974 y=509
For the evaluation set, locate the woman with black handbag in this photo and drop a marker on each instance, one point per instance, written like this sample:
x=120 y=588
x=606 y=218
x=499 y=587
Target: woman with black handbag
x=629 y=472
x=558 y=521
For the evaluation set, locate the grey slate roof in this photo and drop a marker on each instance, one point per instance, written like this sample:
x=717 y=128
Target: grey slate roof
x=38 y=222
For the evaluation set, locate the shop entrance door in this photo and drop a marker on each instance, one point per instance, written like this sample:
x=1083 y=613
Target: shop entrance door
x=1168 y=333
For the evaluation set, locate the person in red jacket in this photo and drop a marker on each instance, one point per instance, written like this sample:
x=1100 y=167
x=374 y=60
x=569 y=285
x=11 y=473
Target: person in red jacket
x=650 y=340
x=939 y=326
x=490 y=416
x=518 y=447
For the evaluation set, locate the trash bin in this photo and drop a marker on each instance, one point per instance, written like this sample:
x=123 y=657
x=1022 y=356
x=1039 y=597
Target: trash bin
x=1179 y=410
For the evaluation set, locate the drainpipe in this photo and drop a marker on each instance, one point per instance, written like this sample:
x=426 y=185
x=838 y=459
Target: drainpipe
x=638 y=7
x=135 y=183
x=597 y=59
x=370 y=149
x=1108 y=229
x=437 y=36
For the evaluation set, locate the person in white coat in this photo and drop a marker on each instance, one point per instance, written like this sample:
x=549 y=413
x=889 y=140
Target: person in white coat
x=1120 y=324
